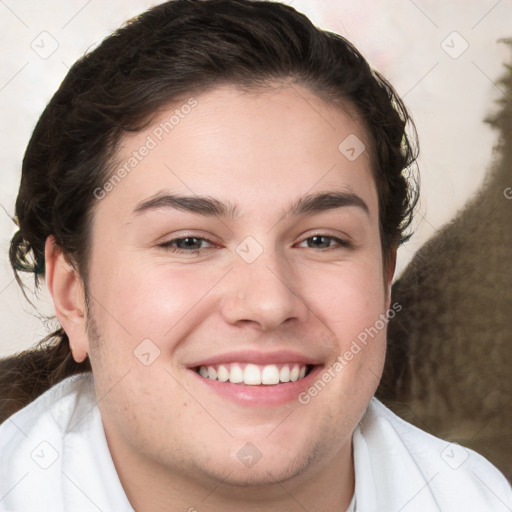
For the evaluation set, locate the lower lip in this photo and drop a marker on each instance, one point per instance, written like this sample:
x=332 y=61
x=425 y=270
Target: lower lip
x=262 y=395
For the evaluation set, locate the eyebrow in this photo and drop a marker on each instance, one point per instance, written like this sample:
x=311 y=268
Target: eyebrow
x=201 y=205
x=208 y=206
x=316 y=203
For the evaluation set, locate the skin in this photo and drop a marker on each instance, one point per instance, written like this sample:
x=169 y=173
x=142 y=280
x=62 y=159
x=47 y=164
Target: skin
x=173 y=440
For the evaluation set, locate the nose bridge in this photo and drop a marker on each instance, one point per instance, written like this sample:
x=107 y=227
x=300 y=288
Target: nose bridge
x=260 y=289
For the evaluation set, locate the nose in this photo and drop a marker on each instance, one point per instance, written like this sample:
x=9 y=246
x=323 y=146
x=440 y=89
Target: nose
x=264 y=293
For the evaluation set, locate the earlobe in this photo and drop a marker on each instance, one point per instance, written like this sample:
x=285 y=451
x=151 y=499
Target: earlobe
x=67 y=291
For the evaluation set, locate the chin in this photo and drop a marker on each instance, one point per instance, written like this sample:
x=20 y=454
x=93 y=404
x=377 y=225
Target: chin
x=264 y=473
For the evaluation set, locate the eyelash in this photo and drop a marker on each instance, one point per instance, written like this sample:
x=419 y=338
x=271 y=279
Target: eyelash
x=169 y=247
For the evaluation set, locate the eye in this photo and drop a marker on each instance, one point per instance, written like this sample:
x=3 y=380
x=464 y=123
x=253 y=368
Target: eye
x=190 y=244
x=324 y=242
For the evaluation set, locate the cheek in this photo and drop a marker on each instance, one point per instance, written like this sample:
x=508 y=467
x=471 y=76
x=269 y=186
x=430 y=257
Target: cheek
x=136 y=300
x=350 y=300
x=347 y=298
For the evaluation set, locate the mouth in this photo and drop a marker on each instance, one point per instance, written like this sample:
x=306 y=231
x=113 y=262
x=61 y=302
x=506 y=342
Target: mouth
x=250 y=374
x=256 y=379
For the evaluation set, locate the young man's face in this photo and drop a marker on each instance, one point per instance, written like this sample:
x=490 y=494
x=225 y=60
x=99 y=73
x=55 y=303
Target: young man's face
x=250 y=278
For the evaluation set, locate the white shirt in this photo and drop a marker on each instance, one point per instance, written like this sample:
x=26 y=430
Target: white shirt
x=54 y=458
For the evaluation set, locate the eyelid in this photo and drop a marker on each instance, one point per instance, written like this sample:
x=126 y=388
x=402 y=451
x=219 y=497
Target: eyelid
x=338 y=235
x=167 y=244
x=179 y=235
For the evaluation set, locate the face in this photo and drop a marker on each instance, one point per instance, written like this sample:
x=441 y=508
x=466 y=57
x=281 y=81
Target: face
x=235 y=264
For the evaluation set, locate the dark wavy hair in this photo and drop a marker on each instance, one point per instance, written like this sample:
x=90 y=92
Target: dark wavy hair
x=174 y=50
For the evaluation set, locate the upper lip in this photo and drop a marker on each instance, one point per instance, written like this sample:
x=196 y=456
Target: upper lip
x=255 y=357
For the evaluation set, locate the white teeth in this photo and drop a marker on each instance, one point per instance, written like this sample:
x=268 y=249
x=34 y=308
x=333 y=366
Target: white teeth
x=270 y=374
x=222 y=373
x=294 y=374
x=284 y=374
x=254 y=375
x=236 y=375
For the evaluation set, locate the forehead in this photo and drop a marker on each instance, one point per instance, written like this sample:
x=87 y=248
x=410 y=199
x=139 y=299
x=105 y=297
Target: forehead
x=272 y=145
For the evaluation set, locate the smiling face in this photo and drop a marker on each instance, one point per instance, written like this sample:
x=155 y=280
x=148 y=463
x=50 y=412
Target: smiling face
x=241 y=247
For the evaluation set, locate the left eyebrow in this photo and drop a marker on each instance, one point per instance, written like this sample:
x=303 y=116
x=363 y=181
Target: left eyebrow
x=316 y=203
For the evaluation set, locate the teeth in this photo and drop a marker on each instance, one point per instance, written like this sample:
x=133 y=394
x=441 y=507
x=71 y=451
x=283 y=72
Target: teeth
x=284 y=374
x=236 y=374
x=270 y=374
x=254 y=375
x=222 y=373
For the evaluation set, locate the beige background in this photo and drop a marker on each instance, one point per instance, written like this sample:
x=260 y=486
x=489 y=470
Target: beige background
x=418 y=45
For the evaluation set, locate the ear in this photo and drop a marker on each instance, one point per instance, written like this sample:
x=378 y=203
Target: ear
x=67 y=291
x=389 y=271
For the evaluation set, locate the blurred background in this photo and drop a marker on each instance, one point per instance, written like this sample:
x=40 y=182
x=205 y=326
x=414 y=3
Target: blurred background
x=443 y=57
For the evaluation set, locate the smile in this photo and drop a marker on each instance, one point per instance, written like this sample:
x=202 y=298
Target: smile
x=254 y=374
x=256 y=378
